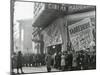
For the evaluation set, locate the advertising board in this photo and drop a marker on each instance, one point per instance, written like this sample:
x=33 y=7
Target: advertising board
x=80 y=34
x=52 y=35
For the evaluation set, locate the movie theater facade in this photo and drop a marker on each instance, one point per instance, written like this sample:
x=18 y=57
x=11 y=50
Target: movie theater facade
x=58 y=26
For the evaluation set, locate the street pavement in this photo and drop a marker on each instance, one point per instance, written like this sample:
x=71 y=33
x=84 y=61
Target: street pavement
x=36 y=69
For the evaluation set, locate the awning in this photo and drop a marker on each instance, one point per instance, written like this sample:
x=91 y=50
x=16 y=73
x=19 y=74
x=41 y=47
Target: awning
x=46 y=15
x=49 y=12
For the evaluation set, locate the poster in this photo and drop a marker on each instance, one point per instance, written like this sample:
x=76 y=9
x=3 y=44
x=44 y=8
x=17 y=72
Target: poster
x=52 y=35
x=80 y=34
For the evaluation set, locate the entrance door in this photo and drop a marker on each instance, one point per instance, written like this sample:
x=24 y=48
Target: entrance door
x=55 y=48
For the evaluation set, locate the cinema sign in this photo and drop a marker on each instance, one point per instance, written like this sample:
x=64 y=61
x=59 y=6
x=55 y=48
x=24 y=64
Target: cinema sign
x=80 y=34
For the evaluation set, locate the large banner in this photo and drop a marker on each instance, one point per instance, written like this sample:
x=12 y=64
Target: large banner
x=52 y=35
x=80 y=34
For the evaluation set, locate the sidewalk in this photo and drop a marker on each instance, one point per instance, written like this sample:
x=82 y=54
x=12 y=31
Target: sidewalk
x=36 y=69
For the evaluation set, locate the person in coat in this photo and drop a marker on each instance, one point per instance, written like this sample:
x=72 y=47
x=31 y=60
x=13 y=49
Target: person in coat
x=63 y=62
x=19 y=62
x=48 y=62
x=58 y=60
x=70 y=60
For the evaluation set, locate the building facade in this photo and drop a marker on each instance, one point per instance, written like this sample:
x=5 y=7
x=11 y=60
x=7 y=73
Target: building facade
x=17 y=37
x=26 y=36
x=64 y=25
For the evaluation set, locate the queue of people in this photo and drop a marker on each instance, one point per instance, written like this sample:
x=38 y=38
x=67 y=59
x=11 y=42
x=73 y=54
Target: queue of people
x=19 y=61
x=71 y=60
x=64 y=61
x=34 y=60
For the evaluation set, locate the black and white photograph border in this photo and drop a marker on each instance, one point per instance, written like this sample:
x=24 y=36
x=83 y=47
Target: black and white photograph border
x=6 y=37
x=52 y=37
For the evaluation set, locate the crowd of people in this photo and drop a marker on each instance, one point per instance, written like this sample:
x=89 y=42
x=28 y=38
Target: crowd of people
x=71 y=60
x=28 y=60
x=64 y=61
x=34 y=60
